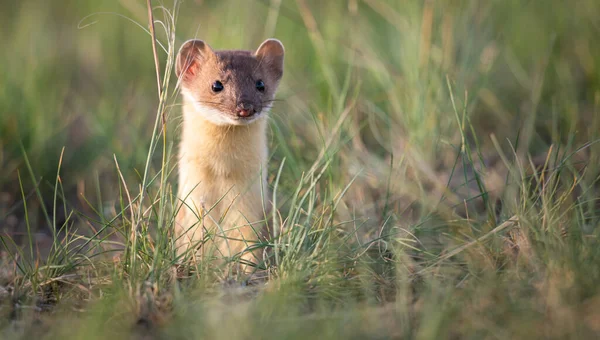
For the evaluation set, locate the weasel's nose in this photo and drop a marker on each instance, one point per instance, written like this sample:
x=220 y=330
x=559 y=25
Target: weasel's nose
x=245 y=110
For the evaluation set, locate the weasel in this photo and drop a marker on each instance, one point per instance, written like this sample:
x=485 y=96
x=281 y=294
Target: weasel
x=223 y=150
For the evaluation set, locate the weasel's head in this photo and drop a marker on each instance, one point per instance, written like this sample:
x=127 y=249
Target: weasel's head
x=230 y=87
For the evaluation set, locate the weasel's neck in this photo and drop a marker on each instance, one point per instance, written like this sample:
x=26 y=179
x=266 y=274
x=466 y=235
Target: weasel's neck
x=225 y=150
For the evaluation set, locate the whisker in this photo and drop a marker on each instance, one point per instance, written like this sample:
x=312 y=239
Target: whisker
x=219 y=105
x=272 y=100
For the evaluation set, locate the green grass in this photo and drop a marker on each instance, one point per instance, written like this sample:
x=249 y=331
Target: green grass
x=434 y=172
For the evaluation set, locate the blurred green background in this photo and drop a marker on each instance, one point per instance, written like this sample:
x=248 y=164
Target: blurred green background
x=79 y=75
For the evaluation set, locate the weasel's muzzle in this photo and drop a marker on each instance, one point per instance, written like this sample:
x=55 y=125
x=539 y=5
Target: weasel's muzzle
x=245 y=110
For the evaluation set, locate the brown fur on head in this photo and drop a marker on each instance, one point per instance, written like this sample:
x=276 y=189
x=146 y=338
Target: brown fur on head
x=230 y=87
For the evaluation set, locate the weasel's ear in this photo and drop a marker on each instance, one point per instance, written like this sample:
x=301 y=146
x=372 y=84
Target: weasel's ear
x=192 y=54
x=270 y=53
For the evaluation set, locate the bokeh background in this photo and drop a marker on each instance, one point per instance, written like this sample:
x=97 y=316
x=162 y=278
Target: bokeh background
x=78 y=75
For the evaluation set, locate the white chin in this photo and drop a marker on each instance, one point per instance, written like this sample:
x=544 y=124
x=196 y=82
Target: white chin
x=246 y=121
x=223 y=118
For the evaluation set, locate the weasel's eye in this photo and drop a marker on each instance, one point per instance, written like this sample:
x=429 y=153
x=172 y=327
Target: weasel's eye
x=217 y=86
x=260 y=85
